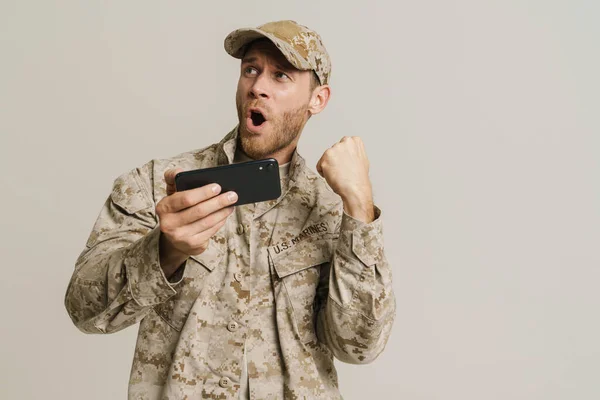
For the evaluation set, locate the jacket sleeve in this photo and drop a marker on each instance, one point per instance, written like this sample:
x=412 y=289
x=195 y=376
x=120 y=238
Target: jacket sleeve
x=117 y=277
x=356 y=302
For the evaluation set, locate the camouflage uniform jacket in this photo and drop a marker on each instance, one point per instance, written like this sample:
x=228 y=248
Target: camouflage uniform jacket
x=296 y=278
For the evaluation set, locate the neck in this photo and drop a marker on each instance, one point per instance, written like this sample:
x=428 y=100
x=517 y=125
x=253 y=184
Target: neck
x=282 y=156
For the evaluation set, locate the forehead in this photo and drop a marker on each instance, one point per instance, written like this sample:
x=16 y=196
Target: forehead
x=267 y=51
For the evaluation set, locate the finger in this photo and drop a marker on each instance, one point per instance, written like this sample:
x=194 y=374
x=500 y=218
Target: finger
x=179 y=201
x=207 y=234
x=205 y=208
x=170 y=180
x=320 y=167
x=207 y=222
x=170 y=175
x=358 y=140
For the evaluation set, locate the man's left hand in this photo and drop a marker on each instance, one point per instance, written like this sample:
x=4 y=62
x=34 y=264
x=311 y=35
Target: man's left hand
x=345 y=167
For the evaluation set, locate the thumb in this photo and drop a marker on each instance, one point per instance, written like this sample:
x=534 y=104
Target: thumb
x=170 y=179
x=319 y=168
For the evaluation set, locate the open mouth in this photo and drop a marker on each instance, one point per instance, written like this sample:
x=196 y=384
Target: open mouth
x=257 y=118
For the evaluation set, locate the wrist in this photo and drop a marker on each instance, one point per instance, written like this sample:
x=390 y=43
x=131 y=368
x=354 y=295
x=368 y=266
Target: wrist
x=361 y=209
x=170 y=258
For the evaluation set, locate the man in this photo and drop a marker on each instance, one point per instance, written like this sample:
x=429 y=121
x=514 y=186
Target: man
x=250 y=301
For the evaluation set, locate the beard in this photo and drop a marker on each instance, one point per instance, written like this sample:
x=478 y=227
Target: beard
x=282 y=130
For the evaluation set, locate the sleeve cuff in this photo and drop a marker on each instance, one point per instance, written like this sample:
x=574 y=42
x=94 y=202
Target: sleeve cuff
x=364 y=240
x=147 y=281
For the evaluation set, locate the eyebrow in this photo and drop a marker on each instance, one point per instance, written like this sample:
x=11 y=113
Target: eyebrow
x=253 y=59
x=289 y=68
x=249 y=60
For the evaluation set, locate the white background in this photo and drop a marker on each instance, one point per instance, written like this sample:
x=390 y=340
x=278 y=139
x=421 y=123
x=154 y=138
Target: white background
x=481 y=120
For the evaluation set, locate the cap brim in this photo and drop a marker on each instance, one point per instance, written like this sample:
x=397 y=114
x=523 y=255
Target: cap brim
x=237 y=41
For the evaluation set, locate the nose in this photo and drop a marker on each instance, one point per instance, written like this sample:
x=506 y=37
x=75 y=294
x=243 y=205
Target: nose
x=259 y=88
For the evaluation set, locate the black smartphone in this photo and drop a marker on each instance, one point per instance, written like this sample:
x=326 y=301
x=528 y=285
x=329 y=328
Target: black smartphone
x=253 y=181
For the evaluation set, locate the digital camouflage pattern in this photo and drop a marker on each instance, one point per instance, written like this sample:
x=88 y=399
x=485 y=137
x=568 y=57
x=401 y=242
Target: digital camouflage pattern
x=296 y=278
x=301 y=46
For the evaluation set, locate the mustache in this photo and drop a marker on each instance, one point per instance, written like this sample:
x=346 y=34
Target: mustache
x=257 y=104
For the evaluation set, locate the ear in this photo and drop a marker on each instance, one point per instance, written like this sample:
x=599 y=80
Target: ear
x=319 y=99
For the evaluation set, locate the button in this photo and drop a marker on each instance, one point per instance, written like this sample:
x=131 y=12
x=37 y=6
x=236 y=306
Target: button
x=362 y=278
x=238 y=276
x=240 y=229
x=225 y=382
x=233 y=326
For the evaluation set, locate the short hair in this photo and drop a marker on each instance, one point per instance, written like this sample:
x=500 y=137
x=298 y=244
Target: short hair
x=314 y=81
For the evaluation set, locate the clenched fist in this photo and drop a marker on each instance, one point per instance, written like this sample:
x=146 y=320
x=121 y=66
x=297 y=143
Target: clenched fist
x=345 y=167
x=188 y=219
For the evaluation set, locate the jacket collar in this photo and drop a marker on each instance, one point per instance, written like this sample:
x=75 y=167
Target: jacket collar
x=226 y=154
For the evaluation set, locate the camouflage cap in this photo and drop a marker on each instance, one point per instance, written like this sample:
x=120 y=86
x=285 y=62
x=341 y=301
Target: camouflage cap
x=301 y=46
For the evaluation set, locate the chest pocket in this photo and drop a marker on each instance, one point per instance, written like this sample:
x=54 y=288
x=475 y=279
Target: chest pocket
x=176 y=309
x=298 y=270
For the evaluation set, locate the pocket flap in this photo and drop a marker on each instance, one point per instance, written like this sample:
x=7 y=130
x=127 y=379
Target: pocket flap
x=127 y=194
x=304 y=254
x=211 y=257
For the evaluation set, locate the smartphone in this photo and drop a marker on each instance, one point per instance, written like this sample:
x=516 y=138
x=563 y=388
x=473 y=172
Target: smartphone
x=253 y=181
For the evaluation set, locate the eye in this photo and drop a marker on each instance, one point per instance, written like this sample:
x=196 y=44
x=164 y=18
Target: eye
x=250 y=71
x=281 y=75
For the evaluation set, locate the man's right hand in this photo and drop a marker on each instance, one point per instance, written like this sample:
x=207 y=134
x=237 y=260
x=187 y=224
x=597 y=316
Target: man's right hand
x=188 y=219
